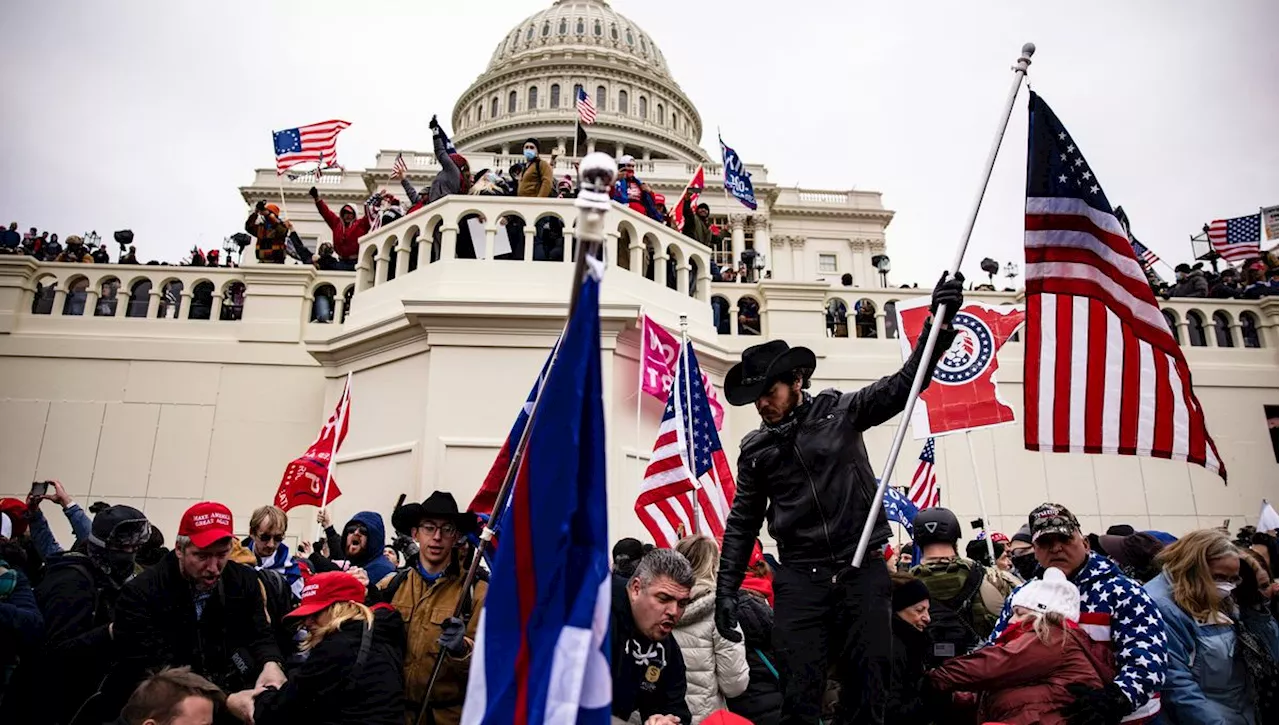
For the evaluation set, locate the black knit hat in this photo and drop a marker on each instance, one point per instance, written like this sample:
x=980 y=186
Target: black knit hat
x=909 y=593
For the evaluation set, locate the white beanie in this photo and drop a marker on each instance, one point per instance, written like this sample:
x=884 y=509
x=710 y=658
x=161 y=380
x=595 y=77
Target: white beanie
x=6 y=527
x=1053 y=593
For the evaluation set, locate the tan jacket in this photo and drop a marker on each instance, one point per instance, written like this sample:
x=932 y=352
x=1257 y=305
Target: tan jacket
x=424 y=607
x=537 y=179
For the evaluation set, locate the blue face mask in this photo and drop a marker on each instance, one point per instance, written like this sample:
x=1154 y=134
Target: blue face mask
x=530 y=154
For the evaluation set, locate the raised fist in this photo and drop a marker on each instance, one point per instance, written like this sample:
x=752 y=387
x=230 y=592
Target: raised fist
x=314 y=194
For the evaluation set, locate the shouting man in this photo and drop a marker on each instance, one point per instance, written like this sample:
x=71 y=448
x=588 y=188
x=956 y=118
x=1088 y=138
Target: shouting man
x=807 y=469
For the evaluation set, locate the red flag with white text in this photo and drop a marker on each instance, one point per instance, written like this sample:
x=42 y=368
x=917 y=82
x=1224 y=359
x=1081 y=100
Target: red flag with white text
x=963 y=394
x=304 y=478
x=693 y=191
x=659 y=352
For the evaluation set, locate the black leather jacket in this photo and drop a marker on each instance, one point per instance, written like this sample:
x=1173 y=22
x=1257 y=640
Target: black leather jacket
x=811 y=478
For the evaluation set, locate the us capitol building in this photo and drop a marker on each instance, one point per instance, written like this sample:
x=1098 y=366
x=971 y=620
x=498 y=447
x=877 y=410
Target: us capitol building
x=158 y=400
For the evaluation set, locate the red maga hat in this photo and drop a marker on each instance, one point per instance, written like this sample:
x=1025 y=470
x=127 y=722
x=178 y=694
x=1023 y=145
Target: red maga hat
x=206 y=523
x=328 y=588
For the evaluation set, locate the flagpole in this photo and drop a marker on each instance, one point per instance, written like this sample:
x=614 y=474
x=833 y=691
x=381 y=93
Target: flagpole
x=982 y=499
x=1019 y=72
x=688 y=420
x=596 y=175
x=640 y=377
x=333 y=454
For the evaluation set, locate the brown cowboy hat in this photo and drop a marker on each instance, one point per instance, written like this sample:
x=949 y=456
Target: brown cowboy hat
x=761 y=365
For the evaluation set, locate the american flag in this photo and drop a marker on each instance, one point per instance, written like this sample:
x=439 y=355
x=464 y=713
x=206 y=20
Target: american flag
x=665 y=504
x=924 y=492
x=399 y=168
x=1236 y=240
x=1144 y=255
x=1102 y=372
x=305 y=143
x=586 y=108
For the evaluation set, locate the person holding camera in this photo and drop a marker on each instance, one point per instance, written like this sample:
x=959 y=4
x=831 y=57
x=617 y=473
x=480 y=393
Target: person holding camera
x=41 y=535
x=265 y=225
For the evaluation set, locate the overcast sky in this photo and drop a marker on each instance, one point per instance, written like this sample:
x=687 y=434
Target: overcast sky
x=149 y=114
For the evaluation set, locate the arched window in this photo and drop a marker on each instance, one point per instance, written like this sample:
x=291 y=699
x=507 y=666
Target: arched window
x=1249 y=330
x=555 y=95
x=201 y=301
x=546 y=29
x=171 y=300
x=564 y=26
x=891 y=320
x=529 y=35
x=662 y=116
x=613 y=31
x=582 y=28
x=139 y=298
x=479 y=110
x=233 y=301
x=598 y=29
x=623 y=103
x=493 y=108
x=533 y=98
x=720 y=314
x=837 y=318
x=864 y=317
x=1172 y=321
x=673 y=121
x=631 y=39
x=1195 y=329
x=644 y=46
x=748 y=316
x=601 y=99
x=644 y=107
x=573 y=102
x=107 y=299
x=511 y=102
x=77 y=294
x=1222 y=329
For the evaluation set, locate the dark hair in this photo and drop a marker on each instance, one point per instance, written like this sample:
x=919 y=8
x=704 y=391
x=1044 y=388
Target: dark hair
x=1247 y=594
x=533 y=141
x=159 y=696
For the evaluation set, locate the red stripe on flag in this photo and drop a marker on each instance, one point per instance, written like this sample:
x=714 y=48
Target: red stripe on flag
x=1163 y=440
x=1096 y=383
x=526 y=583
x=1062 y=378
x=1131 y=380
x=1031 y=376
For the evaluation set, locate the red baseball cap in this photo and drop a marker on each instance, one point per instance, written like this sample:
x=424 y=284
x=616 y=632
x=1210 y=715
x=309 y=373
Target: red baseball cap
x=327 y=588
x=206 y=523
x=724 y=717
x=15 y=510
x=999 y=538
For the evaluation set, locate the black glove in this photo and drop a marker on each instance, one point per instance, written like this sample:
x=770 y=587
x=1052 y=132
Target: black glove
x=949 y=292
x=452 y=637
x=727 y=618
x=1101 y=706
x=313 y=193
x=433 y=124
x=260 y=207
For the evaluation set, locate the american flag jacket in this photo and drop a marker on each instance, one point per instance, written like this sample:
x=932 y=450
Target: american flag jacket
x=1116 y=609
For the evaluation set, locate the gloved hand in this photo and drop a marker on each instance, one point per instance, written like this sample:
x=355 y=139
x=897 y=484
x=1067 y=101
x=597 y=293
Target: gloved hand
x=949 y=292
x=727 y=618
x=433 y=124
x=1101 y=706
x=314 y=194
x=452 y=637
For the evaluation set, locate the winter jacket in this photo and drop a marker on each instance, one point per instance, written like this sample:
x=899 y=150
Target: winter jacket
x=156 y=626
x=537 y=180
x=648 y=677
x=906 y=703
x=695 y=227
x=811 y=475
x=75 y=253
x=762 y=701
x=81 y=526
x=1115 y=611
x=371 y=559
x=424 y=606
x=945 y=579
x=1193 y=285
x=1206 y=681
x=715 y=668
x=1023 y=679
x=332 y=688
x=271 y=237
x=21 y=624
x=448 y=181
x=346 y=237
x=646 y=204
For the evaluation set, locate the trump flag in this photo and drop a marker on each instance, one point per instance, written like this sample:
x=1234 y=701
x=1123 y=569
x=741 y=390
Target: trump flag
x=659 y=352
x=963 y=394
x=303 y=483
x=540 y=652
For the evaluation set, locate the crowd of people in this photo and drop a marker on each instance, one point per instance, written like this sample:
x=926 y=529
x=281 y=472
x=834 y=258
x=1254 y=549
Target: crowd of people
x=1255 y=279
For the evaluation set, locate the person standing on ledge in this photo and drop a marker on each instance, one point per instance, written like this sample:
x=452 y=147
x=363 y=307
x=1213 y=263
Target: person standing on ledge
x=806 y=469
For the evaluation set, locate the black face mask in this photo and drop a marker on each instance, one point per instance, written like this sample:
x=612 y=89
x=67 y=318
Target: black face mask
x=1025 y=565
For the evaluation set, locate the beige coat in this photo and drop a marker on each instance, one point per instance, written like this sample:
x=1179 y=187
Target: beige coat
x=715 y=668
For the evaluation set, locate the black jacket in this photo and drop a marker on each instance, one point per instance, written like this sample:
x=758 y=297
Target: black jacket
x=811 y=476
x=908 y=702
x=156 y=626
x=762 y=702
x=633 y=656
x=330 y=688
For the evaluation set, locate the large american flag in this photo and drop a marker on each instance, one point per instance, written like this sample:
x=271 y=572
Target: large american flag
x=1236 y=240
x=586 y=108
x=665 y=504
x=924 y=492
x=307 y=143
x=1102 y=372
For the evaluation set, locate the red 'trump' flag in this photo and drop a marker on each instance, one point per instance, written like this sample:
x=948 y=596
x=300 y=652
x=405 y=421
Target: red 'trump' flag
x=693 y=191
x=658 y=352
x=963 y=393
x=304 y=478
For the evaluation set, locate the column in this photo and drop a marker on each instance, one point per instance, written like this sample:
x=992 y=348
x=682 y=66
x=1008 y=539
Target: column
x=617 y=154
x=660 y=268
x=424 y=249
x=763 y=243
x=340 y=306
x=737 y=239
x=1184 y=332
x=215 y=312
x=798 y=271
x=448 y=243
x=381 y=267
x=91 y=302
x=704 y=285
x=122 y=303
x=529 y=230
x=682 y=278
x=647 y=155
x=59 y=300
x=778 y=262
x=611 y=248
x=591 y=146
x=880 y=324
x=636 y=252
x=560 y=142
x=402 y=258
x=1210 y=331
x=1237 y=338
x=153 y=304
x=185 y=307
x=506 y=149
x=733 y=319
x=860 y=263
x=364 y=275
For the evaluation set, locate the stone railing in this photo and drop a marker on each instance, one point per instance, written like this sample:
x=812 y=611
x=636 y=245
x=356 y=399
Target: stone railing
x=665 y=171
x=504 y=229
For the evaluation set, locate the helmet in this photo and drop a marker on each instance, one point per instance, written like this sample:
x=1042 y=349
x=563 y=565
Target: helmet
x=936 y=526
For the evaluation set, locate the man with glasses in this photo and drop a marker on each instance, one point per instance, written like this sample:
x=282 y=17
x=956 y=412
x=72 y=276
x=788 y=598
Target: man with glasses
x=267 y=527
x=426 y=595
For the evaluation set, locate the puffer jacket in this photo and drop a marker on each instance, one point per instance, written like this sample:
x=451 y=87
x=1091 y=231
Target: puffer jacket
x=715 y=668
x=346 y=237
x=811 y=475
x=761 y=703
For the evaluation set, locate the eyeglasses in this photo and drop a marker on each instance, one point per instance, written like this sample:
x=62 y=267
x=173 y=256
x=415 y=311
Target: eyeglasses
x=1226 y=579
x=431 y=529
x=264 y=538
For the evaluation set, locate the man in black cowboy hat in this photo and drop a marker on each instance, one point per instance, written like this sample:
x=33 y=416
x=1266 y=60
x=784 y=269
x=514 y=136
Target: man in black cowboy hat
x=806 y=469
x=426 y=596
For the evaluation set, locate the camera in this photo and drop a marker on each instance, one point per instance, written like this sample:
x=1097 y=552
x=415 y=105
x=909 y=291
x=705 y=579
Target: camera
x=124 y=238
x=978 y=524
x=405 y=546
x=40 y=488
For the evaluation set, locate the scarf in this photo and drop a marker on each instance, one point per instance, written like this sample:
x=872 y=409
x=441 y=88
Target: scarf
x=786 y=428
x=284 y=565
x=8 y=580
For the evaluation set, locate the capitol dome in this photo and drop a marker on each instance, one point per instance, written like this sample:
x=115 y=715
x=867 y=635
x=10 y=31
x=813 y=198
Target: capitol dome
x=529 y=87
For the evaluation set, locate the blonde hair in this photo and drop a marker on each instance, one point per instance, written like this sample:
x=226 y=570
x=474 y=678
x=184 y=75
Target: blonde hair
x=1043 y=624
x=1186 y=563
x=270 y=515
x=703 y=556
x=339 y=614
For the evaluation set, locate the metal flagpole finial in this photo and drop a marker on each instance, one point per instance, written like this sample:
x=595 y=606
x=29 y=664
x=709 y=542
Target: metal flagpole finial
x=1028 y=50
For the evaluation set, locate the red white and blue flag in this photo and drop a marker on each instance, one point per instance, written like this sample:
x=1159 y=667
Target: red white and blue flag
x=1236 y=240
x=924 y=492
x=586 y=108
x=539 y=656
x=684 y=469
x=318 y=141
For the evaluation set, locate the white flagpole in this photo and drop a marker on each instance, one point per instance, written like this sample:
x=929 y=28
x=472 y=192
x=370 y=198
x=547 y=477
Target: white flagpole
x=343 y=403
x=982 y=499
x=1019 y=72
x=688 y=421
x=640 y=379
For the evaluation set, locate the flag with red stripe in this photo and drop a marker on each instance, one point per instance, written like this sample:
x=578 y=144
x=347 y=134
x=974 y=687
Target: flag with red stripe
x=307 y=143
x=688 y=465
x=1102 y=373
x=924 y=492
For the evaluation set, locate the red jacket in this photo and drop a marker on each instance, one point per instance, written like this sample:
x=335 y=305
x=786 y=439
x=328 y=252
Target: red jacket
x=346 y=237
x=1024 y=680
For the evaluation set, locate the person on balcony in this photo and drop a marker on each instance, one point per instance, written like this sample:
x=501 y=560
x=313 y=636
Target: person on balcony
x=1191 y=282
x=264 y=224
x=538 y=180
x=100 y=255
x=75 y=251
x=454 y=176
x=347 y=228
x=697 y=225
x=631 y=192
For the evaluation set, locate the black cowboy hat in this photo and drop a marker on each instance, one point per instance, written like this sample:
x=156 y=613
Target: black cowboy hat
x=439 y=505
x=761 y=365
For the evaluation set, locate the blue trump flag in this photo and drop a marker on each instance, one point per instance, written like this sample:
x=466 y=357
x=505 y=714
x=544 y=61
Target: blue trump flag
x=899 y=508
x=736 y=179
x=540 y=653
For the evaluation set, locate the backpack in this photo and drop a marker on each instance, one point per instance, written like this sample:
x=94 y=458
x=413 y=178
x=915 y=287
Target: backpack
x=951 y=630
